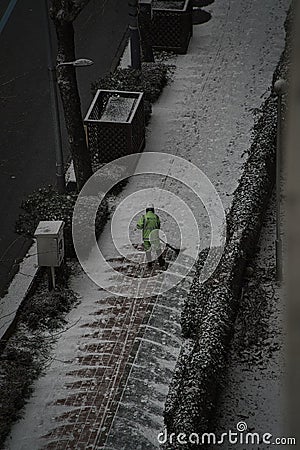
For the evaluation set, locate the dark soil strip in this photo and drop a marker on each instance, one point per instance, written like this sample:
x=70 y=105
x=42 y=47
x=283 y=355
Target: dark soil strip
x=210 y=309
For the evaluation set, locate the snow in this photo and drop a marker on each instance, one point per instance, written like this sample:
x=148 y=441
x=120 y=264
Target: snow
x=168 y=4
x=118 y=109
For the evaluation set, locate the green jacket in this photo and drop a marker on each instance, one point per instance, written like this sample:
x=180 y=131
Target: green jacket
x=148 y=223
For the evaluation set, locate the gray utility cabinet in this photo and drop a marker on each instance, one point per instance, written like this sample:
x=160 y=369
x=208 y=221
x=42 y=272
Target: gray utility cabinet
x=50 y=243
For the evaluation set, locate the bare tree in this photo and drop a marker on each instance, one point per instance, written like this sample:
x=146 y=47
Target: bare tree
x=63 y=13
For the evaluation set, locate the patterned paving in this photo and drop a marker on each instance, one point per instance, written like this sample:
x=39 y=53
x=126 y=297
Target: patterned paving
x=110 y=342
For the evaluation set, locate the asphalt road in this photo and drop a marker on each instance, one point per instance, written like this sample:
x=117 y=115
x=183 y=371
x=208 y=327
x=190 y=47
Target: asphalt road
x=26 y=137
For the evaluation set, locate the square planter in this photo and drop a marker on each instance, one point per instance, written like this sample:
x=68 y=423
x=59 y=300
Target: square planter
x=115 y=124
x=171 y=24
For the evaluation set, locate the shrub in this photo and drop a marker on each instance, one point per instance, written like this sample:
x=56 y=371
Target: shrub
x=19 y=368
x=151 y=80
x=48 y=204
x=46 y=310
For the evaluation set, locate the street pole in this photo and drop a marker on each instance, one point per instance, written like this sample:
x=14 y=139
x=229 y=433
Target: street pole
x=135 y=47
x=145 y=26
x=280 y=88
x=60 y=177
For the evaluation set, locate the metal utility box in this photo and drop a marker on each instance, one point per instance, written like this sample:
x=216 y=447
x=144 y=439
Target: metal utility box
x=50 y=243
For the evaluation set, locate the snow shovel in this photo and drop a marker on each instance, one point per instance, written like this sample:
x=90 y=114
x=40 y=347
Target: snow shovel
x=176 y=250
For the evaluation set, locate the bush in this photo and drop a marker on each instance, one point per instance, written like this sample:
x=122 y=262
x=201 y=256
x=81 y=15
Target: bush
x=48 y=204
x=46 y=310
x=151 y=80
x=19 y=368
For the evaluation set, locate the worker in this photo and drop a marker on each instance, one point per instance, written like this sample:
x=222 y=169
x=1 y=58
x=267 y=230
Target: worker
x=150 y=225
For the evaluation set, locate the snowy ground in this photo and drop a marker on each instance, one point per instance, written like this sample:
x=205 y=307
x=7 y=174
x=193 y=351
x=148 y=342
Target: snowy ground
x=111 y=369
x=255 y=390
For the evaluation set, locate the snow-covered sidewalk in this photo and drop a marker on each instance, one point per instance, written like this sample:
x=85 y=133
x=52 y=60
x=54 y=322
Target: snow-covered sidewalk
x=111 y=368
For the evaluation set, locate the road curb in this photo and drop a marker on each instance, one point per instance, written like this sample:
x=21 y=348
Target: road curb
x=21 y=285
x=210 y=310
x=120 y=50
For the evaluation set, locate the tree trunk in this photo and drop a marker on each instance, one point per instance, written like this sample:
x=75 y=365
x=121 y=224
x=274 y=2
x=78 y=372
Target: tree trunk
x=67 y=82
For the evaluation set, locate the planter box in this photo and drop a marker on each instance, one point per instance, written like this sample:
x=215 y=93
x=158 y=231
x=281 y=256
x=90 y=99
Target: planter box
x=115 y=124
x=171 y=24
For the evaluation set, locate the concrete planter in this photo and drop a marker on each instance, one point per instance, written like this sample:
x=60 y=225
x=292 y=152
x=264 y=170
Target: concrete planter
x=171 y=24
x=115 y=124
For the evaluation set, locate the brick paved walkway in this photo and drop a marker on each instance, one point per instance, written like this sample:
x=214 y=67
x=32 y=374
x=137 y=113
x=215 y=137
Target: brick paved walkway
x=108 y=347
